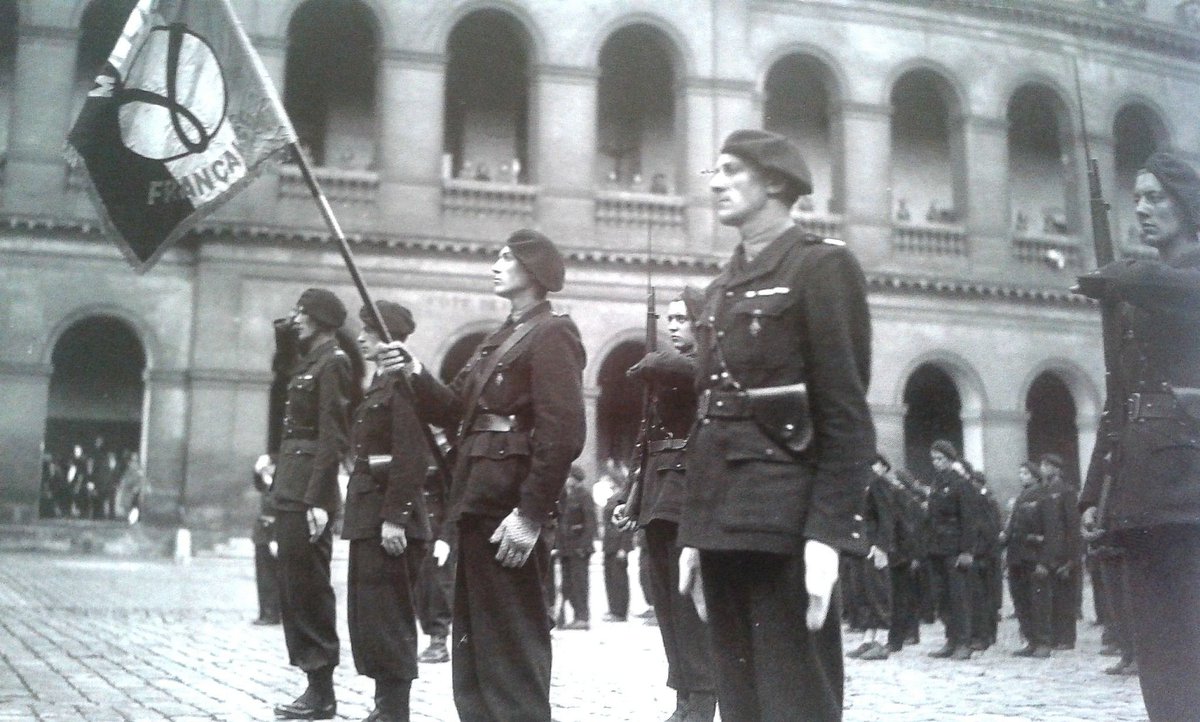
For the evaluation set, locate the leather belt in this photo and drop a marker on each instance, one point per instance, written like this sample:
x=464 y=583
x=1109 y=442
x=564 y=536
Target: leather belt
x=497 y=422
x=1150 y=406
x=371 y=463
x=723 y=405
x=667 y=445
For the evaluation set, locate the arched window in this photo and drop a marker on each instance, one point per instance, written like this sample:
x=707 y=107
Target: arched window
x=933 y=410
x=619 y=407
x=97 y=400
x=487 y=99
x=330 y=82
x=638 y=133
x=798 y=103
x=927 y=176
x=1137 y=133
x=8 y=65
x=1040 y=168
x=1051 y=425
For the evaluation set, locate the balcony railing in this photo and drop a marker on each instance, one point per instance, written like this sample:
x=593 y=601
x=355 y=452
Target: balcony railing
x=826 y=226
x=624 y=208
x=346 y=186
x=488 y=198
x=929 y=240
x=1054 y=250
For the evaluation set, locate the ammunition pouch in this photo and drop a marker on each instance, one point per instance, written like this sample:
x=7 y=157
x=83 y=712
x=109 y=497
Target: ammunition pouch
x=1188 y=400
x=782 y=413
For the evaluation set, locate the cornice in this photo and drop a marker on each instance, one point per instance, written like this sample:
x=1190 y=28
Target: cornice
x=966 y=288
x=49 y=32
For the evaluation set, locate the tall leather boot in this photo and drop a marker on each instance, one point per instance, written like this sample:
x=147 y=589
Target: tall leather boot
x=316 y=702
x=681 y=707
x=701 y=707
x=391 y=700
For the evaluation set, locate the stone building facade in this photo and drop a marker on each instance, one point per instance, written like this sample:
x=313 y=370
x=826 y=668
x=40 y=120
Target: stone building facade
x=944 y=135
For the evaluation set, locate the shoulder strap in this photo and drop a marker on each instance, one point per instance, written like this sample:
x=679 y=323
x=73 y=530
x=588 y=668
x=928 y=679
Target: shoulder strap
x=487 y=368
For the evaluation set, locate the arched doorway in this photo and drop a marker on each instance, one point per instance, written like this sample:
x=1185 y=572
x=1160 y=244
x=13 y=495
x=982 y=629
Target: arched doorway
x=97 y=391
x=619 y=406
x=1050 y=428
x=933 y=410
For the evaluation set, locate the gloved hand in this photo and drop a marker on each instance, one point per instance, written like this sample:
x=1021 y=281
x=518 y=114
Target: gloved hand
x=622 y=520
x=690 y=582
x=441 y=552
x=878 y=557
x=1089 y=524
x=516 y=536
x=820 y=574
x=1041 y=571
x=394 y=540
x=318 y=519
x=964 y=560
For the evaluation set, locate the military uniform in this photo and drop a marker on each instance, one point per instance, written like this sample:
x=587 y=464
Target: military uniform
x=1035 y=537
x=955 y=530
x=523 y=424
x=574 y=543
x=909 y=533
x=986 y=579
x=796 y=312
x=1068 y=577
x=1150 y=440
x=685 y=637
x=380 y=587
x=879 y=529
x=616 y=545
x=314 y=440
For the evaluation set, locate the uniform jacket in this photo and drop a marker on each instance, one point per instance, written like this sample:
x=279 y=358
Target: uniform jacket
x=386 y=422
x=1155 y=461
x=911 y=527
x=1065 y=501
x=795 y=313
x=879 y=515
x=674 y=377
x=576 y=521
x=953 y=515
x=1035 y=529
x=540 y=383
x=988 y=520
x=315 y=431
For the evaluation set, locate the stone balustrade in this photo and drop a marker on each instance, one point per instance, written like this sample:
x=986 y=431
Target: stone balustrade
x=1055 y=250
x=339 y=185
x=625 y=208
x=488 y=198
x=825 y=226
x=929 y=240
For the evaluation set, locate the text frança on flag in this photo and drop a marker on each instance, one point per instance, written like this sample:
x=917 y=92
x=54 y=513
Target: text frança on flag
x=180 y=118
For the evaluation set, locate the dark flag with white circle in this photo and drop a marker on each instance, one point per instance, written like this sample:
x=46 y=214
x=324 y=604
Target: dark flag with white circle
x=180 y=118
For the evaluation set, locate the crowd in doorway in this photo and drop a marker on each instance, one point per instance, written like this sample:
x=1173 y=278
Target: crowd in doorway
x=94 y=481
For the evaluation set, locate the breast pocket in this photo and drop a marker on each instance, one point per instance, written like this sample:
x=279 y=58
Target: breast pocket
x=762 y=334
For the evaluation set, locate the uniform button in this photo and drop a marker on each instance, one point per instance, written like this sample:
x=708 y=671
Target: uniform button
x=770 y=452
x=720 y=334
x=858 y=517
x=714 y=377
x=712 y=319
x=720 y=404
x=724 y=375
x=855 y=534
x=706 y=421
x=729 y=294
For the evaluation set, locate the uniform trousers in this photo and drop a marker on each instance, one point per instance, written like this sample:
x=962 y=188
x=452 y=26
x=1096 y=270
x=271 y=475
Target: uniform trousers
x=685 y=637
x=502 y=655
x=1065 y=605
x=266 y=581
x=982 y=576
x=954 y=603
x=1162 y=576
x=1110 y=565
x=769 y=667
x=307 y=604
x=435 y=589
x=379 y=609
x=1031 y=601
x=905 y=599
x=616 y=583
x=575 y=586
x=875 y=600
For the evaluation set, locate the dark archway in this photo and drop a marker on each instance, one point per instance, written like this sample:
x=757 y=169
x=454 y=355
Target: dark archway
x=798 y=102
x=1051 y=423
x=933 y=410
x=487 y=99
x=927 y=150
x=9 y=18
x=459 y=354
x=1040 y=168
x=97 y=391
x=619 y=407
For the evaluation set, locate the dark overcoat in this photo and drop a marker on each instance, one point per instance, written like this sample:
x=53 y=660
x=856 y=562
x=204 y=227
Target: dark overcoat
x=795 y=313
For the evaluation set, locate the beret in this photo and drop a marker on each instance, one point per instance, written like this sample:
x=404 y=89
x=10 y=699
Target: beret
x=771 y=151
x=397 y=318
x=1053 y=460
x=540 y=257
x=945 y=448
x=323 y=306
x=1180 y=180
x=693 y=300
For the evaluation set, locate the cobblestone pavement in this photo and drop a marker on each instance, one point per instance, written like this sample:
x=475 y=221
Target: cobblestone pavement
x=88 y=638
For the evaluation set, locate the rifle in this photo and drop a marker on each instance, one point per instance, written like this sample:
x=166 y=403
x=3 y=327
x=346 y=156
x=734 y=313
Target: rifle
x=633 y=503
x=1114 y=405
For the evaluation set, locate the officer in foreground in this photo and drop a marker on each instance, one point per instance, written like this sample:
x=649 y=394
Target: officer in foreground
x=1142 y=491
x=520 y=399
x=772 y=490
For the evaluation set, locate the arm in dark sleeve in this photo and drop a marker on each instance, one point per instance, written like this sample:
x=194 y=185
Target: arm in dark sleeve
x=970 y=511
x=1052 y=551
x=333 y=425
x=1155 y=286
x=436 y=403
x=559 y=426
x=838 y=367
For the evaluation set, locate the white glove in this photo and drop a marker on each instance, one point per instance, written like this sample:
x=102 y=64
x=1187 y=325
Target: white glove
x=820 y=574
x=318 y=519
x=393 y=539
x=441 y=552
x=690 y=582
x=516 y=536
x=878 y=557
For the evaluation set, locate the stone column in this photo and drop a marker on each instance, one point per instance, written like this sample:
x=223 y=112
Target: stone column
x=1004 y=448
x=889 y=431
x=986 y=196
x=166 y=435
x=409 y=110
x=588 y=459
x=867 y=144
x=24 y=394
x=563 y=148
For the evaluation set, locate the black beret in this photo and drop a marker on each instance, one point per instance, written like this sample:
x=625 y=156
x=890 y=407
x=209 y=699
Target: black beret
x=1053 y=460
x=771 y=151
x=323 y=306
x=1180 y=180
x=540 y=257
x=945 y=448
x=397 y=318
x=693 y=300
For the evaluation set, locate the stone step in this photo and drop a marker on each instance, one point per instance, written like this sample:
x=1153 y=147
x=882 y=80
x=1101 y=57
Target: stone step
x=106 y=538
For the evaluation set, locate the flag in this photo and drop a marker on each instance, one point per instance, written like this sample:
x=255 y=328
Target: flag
x=180 y=118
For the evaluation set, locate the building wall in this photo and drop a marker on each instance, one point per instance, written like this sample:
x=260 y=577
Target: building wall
x=990 y=319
